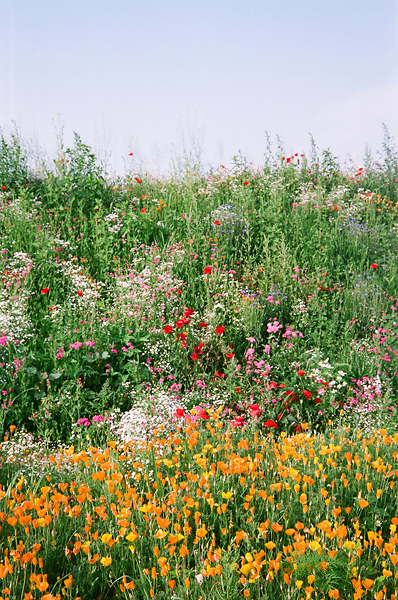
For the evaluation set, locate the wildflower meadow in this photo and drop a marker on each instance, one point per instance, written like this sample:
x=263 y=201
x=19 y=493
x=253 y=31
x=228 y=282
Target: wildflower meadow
x=199 y=378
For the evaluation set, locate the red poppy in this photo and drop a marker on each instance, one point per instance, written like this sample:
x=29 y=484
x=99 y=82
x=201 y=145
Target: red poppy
x=131 y=154
x=239 y=421
x=307 y=394
x=317 y=400
x=301 y=373
x=216 y=222
x=180 y=323
x=137 y=180
x=194 y=356
x=168 y=329
x=220 y=329
x=45 y=290
x=182 y=336
x=245 y=183
x=220 y=375
x=273 y=384
x=203 y=414
x=188 y=312
x=143 y=210
x=374 y=266
x=207 y=270
x=3 y=187
x=79 y=293
x=179 y=413
x=203 y=325
x=230 y=355
x=270 y=423
x=255 y=410
x=291 y=396
x=335 y=208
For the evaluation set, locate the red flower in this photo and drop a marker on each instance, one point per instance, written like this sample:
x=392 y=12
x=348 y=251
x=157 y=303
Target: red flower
x=79 y=293
x=282 y=385
x=180 y=323
x=307 y=394
x=255 y=410
x=239 y=421
x=168 y=329
x=182 y=336
x=194 y=356
x=273 y=384
x=270 y=423
x=317 y=400
x=137 y=180
x=245 y=183
x=203 y=414
x=374 y=266
x=335 y=208
x=291 y=396
x=188 y=312
x=221 y=375
x=143 y=210
x=3 y=187
x=203 y=325
x=301 y=373
x=179 y=413
x=207 y=270
x=220 y=329
x=131 y=154
x=230 y=355
x=44 y=291
x=216 y=222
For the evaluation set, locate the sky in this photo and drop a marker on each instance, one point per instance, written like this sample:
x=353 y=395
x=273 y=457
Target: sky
x=152 y=77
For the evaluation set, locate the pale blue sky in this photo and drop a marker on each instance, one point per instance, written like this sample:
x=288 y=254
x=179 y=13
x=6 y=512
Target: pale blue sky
x=128 y=75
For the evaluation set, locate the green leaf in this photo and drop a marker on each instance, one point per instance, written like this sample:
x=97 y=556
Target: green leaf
x=54 y=376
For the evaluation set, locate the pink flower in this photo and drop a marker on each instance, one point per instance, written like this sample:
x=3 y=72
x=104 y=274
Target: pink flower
x=76 y=345
x=98 y=418
x=90 y=343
